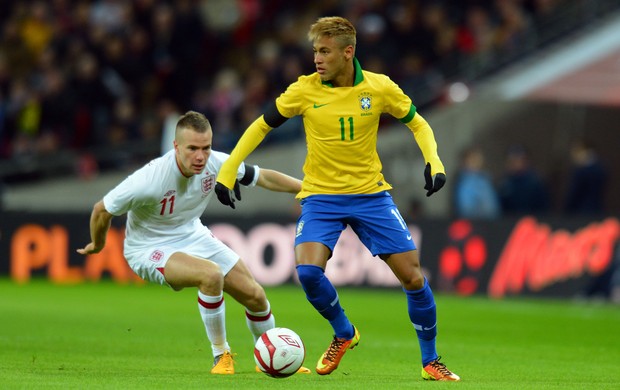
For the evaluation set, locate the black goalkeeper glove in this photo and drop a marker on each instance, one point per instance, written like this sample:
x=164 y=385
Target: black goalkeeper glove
x=433 y=183
x=225 y=195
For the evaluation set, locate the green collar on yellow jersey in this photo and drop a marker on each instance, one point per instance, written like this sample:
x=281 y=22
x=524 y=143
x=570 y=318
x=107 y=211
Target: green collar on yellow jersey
x=359 y=77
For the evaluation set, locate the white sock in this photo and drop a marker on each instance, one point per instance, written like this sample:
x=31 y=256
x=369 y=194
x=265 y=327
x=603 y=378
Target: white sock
x=212 y=310
x=259 y=321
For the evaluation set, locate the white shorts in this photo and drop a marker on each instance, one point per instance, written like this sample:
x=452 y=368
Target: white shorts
x=149 y=262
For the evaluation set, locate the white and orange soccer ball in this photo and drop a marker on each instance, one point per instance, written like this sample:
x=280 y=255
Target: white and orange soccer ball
x=279 y=352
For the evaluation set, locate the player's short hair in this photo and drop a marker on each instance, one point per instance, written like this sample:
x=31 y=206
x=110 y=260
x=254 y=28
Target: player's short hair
x=333 y=26
x=193 y=120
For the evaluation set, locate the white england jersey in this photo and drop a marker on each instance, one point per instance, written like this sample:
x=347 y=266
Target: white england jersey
x=162 y=205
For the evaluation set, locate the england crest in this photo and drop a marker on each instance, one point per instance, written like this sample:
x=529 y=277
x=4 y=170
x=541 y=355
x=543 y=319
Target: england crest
x=207 y=183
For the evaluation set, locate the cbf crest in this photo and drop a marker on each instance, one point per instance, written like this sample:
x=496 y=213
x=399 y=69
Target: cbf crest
x=207 y=184
x=300 y=227
x=365 y=99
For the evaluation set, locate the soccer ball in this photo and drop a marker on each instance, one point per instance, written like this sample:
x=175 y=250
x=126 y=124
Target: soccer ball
x=279 y=352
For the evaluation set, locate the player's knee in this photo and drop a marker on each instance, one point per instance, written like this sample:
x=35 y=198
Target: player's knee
x=414 y=282
x=211 y=278
x=257 y=300
x=309 y=275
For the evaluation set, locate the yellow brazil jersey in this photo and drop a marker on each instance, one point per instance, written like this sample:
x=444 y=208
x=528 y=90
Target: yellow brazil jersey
x=341 y=126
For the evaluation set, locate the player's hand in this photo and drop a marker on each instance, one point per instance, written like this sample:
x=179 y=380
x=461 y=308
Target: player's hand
x=225 y=194
x=434 y=182
x=89 y=249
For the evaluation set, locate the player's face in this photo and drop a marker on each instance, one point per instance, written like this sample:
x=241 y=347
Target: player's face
x=330 y=58
x=192 y=150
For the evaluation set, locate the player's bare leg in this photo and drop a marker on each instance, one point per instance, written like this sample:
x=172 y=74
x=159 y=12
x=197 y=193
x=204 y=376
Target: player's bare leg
x=241 y=285
x=183 y=270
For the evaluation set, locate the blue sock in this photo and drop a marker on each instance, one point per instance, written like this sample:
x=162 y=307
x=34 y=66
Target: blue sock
x=423 y=315
x=323 y=296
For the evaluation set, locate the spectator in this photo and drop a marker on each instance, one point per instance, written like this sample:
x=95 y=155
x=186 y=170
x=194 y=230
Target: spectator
x=94 y=98
x=169 y=115
x=475 y=196
x=2 y=190
x=514 y=31
x=57 y=103
x=418 y=80
x=521 y=190
x=587 y=182
x=476 y=38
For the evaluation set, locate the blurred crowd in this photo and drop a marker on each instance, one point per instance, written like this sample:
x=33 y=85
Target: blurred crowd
x=94 y=73
x=521 y=189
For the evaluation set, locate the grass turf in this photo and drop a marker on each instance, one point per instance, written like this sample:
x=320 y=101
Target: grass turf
x=112 y=336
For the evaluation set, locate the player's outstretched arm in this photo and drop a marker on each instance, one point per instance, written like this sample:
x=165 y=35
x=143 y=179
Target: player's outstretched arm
x=226 y=179
x=100 y=220
x=278 y=181
x=434 y=171
x=250 y=139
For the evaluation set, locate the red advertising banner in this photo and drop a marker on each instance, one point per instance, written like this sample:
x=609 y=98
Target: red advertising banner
x=561 y=257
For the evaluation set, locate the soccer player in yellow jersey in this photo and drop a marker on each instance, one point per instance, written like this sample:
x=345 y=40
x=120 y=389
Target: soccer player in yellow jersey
x=343 y=185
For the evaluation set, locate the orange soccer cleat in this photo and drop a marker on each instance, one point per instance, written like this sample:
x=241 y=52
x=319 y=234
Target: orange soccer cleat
x=331 y=358
x=223 y=364
x=437 y=371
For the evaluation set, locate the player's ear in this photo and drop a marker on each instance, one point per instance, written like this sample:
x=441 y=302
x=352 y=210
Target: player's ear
x=349 y=52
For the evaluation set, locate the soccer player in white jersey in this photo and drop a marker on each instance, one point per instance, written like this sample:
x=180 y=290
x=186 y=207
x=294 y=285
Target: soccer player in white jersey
x=166 y=242
x=341 y=104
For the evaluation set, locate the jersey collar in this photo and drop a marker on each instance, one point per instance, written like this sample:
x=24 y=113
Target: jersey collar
x=359 y=77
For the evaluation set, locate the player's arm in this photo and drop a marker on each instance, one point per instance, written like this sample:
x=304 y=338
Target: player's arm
x=278 y=181
x=100 y=220
x=249 y=141
x=425 y=139
x=434 y=173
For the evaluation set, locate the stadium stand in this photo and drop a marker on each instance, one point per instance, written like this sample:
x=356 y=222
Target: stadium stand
x=87 y=86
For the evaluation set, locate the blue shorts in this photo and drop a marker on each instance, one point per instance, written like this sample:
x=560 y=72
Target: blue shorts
x=373 y=217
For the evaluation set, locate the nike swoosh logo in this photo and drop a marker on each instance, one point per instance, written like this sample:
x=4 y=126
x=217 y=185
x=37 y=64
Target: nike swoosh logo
x=320 y=105
x=420 y=327
x=408 y=237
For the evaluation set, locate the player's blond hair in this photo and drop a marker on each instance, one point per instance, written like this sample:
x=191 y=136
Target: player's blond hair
x=333 y=26
x=193 y=120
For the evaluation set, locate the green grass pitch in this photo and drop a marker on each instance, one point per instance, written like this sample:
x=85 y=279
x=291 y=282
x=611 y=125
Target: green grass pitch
x=110 y=336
